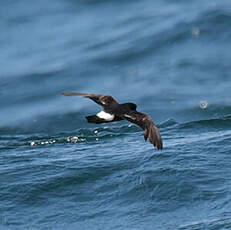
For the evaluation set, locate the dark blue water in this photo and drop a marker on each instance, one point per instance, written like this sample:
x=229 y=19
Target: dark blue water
x=171 y=58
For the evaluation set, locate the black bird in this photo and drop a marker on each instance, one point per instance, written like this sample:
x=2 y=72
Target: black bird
x=113 y=111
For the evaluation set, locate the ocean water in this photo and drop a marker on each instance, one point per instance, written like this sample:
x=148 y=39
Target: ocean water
x=171 y=58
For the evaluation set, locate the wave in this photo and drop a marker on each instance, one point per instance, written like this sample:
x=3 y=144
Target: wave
x=210 y=223
x=216 y=123
x=172 y=132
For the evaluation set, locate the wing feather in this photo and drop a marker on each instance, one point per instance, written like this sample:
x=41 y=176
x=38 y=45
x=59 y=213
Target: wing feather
x=97 y=98
x=145 y=122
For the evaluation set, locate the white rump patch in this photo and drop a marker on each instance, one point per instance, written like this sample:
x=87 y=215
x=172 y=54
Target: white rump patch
x=105 y=116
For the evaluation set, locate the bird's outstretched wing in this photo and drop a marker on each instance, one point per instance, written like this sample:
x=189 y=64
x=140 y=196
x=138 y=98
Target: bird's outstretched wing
x=102 y=100
x=145 y=122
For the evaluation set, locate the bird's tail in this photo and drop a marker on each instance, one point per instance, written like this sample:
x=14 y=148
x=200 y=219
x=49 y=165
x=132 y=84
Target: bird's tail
x=95 y=119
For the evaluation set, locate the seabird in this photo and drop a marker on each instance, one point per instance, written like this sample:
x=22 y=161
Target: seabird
x=114 y=111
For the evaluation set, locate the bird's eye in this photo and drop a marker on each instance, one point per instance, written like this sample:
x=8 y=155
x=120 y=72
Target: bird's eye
x=106 y=100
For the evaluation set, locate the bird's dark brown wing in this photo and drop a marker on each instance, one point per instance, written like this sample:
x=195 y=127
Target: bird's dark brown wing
x=102 y=100
x=145 y=122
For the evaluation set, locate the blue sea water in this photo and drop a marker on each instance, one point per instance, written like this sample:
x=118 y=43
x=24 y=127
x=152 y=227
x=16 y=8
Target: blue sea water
x=171 y=58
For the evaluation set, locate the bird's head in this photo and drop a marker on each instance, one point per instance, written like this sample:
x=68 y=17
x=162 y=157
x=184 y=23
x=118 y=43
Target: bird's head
x=107 y=100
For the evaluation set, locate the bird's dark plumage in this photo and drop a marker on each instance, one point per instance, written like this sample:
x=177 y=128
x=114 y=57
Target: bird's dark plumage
x=113 y=111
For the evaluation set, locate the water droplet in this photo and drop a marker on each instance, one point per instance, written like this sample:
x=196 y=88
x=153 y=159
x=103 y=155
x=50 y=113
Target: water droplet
x=203 y=104
x=195 y=31
x=32 y=143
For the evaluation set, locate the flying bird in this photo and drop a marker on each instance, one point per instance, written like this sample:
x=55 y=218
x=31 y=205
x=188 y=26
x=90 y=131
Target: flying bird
x=114 y=111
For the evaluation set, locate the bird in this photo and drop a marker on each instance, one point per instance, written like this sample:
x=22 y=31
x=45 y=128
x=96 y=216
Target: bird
x=114 y=111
